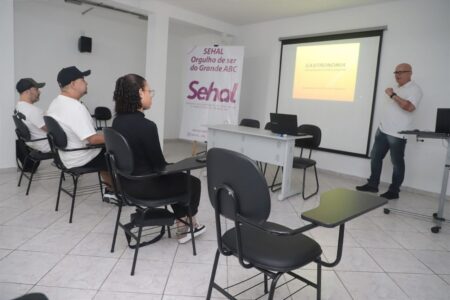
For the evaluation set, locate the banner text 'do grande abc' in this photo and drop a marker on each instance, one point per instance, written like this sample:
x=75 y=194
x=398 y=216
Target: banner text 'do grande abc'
x=326 y=72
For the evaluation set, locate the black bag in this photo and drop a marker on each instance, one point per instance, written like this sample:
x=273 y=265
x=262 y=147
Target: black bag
x=22 y=151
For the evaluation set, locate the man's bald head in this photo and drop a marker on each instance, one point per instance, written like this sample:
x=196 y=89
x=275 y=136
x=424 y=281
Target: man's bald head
x=403 y=73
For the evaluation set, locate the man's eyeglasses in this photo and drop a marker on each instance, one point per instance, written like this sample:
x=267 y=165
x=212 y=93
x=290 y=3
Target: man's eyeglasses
x=401 y=72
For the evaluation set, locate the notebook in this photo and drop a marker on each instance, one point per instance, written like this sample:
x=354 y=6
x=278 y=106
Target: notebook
x=443 y=120
x=283 y=123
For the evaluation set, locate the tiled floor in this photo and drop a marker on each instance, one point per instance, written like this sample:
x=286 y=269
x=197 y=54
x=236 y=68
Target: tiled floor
x=385 y=256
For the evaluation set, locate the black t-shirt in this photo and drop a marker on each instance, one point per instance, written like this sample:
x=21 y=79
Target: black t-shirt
x=142 y=136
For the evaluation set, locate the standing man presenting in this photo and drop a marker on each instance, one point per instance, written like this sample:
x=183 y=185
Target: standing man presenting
x=397 y=115
x=29 y=92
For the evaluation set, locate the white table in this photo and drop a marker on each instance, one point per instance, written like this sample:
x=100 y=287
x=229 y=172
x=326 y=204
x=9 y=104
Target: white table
x=260 y=145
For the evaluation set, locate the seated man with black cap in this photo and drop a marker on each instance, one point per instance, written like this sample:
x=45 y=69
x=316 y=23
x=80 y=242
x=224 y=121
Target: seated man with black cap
x=29 y=92
x=77 y=123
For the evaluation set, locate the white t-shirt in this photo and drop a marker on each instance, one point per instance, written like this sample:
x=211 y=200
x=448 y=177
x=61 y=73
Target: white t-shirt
x=394 y=118
x=34 y=121
x=77 y=123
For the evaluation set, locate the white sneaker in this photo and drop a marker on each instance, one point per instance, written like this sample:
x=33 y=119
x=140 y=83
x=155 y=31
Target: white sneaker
x=186 y=237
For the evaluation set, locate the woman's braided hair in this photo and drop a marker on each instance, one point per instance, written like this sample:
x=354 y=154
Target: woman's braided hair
x=126 y=94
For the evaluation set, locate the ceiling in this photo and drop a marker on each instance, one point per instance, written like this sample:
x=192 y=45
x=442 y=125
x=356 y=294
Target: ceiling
x=243 y=12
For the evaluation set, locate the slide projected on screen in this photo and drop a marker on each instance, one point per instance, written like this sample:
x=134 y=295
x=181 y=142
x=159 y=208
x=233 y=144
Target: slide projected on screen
x=326 y=72
x=329 y=81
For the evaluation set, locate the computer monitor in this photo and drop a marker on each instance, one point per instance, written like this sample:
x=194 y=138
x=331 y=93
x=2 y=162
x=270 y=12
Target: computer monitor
x=443 y=120
x=284 y=123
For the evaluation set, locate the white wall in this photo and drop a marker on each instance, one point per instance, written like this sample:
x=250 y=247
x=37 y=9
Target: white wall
x=7 y=134
x=46 y=40
x=156 y=67
x=417 y=33
x=190 y=29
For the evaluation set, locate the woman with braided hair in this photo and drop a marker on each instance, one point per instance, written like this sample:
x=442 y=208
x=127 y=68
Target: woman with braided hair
x=132 y=96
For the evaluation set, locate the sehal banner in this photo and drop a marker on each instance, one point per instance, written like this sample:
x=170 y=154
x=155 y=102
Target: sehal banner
x=211 y=89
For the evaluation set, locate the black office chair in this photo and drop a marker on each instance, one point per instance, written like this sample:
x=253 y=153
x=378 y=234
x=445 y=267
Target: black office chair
x=250 y=123
x=58 y=142
x=27 y=159
x=305 y=162
x=238 y=191
x=102 y=115
x=151 y=211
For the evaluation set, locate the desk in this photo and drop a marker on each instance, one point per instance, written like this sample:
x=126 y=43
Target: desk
x=340 y=205
x=438 y=217
x=337 y=207
x=187 y=164
x=260 y=145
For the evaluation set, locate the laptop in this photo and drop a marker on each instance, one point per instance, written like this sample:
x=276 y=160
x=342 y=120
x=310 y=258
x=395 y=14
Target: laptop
x=443 y=120
x=283 y=123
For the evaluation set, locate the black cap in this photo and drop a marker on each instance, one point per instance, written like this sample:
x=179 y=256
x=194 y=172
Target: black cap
x=27 y=83
x=69 y=74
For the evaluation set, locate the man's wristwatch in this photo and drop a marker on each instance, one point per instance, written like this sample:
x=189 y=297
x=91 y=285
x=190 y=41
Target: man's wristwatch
x=392 y=95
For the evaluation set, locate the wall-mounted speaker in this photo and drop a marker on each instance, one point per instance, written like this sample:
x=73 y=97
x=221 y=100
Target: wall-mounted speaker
x=85 y=44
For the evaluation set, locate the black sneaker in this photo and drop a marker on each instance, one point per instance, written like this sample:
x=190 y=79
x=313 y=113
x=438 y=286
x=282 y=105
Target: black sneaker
x=390 y=195
x=367 y=188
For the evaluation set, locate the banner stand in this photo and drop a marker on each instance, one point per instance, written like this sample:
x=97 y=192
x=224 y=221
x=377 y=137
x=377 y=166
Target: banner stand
x=211 y=90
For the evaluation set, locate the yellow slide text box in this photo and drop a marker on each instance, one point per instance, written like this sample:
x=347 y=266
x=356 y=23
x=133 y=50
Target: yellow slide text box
x=326 y=72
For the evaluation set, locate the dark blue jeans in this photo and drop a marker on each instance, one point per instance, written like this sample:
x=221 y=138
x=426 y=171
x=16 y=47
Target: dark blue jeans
x=396 y=146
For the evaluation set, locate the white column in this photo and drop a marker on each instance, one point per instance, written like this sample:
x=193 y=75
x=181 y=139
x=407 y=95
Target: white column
x=7 y=84
x=156 y=67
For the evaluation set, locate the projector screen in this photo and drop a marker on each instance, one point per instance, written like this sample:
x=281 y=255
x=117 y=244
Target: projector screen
x=330 y=81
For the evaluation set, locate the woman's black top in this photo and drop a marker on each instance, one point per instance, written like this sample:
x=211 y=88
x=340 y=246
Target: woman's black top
x=142 y=136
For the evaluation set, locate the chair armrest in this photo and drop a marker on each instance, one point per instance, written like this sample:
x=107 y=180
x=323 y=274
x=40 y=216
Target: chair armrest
x=184 y=165
x=87 y=147
x=341 y=205
x=298 y=231
x=35 y=140
x=95 y=146
x=275 y=231
x=139 y=177
x=187 y=164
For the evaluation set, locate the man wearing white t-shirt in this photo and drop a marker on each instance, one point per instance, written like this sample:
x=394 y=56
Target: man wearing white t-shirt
x=29 y=92
x=398 y=113
x=77 y=123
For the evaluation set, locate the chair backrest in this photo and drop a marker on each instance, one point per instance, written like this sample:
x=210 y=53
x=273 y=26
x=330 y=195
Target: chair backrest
x=22 y=130
x=312 y=143
x=102 y=113
x=269 y=126
x=250 y=123
x=119 y=151
x=57 y=136
x=240 y=174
